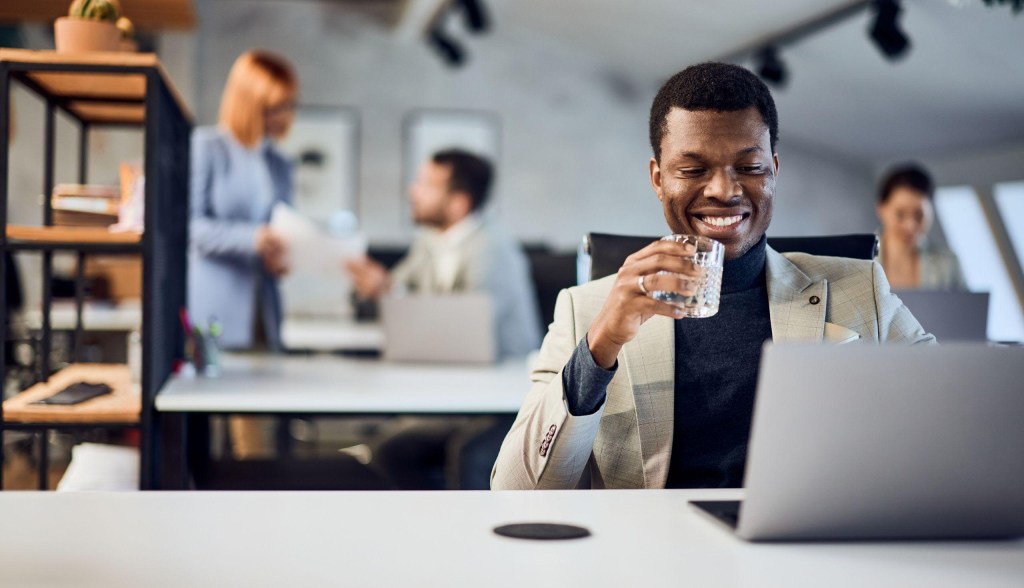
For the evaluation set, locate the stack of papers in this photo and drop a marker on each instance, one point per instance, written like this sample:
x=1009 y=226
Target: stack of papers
x=316 y=284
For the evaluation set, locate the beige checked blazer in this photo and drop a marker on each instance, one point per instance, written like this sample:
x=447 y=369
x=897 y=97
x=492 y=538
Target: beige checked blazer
x=627 y=442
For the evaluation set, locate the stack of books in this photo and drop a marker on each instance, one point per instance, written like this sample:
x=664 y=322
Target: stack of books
x=85 y=205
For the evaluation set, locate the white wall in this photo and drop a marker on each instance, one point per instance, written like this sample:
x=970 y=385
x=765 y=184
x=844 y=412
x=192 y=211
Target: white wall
x=820 y=193
x=985 y=167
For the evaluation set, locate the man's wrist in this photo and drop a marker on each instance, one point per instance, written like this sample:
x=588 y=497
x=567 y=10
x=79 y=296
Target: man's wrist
x=585 y=382
x=605 y=353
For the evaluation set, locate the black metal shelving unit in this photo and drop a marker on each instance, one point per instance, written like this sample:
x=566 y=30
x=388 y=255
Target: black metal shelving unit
x=96 y=90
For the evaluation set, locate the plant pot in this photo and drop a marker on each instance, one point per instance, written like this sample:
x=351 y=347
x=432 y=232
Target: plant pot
x=75 y=35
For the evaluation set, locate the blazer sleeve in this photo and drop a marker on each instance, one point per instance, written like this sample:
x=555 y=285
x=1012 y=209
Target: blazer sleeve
x=210 y=235
x=896 y=324
x=412 y=264
x=548 y=448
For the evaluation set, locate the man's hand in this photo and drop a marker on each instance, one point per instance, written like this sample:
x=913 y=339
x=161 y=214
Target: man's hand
x=369 y=278
x=628 y=307
x=273 y=250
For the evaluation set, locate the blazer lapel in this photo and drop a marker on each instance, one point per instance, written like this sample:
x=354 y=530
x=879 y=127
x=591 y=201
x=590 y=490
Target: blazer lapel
x=796 y=303
x=649 y=361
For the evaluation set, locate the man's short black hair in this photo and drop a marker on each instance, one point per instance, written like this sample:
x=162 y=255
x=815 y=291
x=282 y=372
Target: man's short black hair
x=909 y=175
x=714 y=86
x=471 y=174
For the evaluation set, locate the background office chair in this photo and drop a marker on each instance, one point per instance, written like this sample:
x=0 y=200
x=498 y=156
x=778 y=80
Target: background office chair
x=552 y=271
x=608 y=252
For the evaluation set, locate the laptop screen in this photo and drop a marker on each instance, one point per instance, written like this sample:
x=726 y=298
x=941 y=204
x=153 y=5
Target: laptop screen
x=950 y=316
x=439 y=328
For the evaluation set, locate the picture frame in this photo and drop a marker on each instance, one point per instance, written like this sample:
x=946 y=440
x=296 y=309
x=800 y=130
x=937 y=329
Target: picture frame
x=324 y=145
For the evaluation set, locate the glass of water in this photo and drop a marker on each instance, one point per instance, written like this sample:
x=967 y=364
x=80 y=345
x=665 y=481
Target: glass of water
x=702 y=292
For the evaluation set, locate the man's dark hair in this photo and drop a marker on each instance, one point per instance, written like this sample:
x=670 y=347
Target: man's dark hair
x=721 y=87
x=910 y=175
x=471 y=174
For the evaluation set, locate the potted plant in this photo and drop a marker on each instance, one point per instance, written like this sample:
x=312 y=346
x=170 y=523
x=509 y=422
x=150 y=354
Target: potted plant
x=89 y=26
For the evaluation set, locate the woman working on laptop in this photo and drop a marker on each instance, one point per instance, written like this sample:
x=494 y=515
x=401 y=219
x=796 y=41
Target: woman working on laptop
x=906 y=213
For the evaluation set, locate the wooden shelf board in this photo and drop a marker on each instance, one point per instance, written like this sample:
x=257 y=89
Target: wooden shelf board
x=115 y=86
x=123 y=405
x=92 y=85
x=71 y=235
x=99 y=113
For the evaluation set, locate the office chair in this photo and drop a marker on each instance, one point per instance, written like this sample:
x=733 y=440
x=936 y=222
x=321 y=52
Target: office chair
x=608 y=252
x=551 y=272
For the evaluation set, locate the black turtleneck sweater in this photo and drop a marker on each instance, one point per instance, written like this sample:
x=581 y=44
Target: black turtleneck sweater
x=716 y=373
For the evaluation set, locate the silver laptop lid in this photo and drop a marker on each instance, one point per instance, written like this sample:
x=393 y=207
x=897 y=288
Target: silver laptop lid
x=457 y=328
x=950 y=316
x=885 y=442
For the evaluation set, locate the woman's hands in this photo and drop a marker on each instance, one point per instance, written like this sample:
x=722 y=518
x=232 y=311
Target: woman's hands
x=273 y=250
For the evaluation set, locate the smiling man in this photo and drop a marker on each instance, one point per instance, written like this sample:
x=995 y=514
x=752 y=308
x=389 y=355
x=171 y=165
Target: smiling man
x=628 y=395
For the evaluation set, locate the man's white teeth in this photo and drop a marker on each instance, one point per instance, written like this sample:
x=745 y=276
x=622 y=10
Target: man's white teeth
x=722 y=221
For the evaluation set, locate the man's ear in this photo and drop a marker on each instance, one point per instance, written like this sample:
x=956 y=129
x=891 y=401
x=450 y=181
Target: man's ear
x=775 y=162
x=459 y=205
x=655 y=170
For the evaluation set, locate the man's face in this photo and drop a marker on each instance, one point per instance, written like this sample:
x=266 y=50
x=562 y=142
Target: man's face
x=716 y=176
x=429 y=195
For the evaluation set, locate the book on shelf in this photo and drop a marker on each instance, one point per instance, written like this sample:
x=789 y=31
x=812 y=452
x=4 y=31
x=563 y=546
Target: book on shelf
x=85 y=205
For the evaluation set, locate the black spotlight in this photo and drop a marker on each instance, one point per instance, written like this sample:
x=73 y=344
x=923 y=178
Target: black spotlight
x=772 y=70
x=475 y=15
x=451 y=52
x=886 y=33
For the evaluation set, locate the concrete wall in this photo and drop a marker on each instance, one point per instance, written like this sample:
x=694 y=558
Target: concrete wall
x=574 y=150
x=574 y=146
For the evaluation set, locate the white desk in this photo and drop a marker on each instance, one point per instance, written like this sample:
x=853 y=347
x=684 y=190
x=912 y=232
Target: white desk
x=339 y=386
x=327 y=334
x=641 y=538
x=342 y=385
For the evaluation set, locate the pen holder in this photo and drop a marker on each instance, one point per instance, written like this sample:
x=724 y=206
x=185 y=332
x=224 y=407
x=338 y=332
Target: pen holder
x=211 y=356
x=202 y=350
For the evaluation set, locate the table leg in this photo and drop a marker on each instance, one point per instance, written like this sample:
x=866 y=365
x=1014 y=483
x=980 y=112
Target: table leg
x=44 y=459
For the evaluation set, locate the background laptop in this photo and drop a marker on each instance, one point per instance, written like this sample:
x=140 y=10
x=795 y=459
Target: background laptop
x=950 y=316
x=884 y=442
x=456 y=328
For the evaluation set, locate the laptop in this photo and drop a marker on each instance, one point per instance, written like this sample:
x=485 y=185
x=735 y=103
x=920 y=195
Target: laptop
x=883 y=442
x=450 y=328
x=950 y=316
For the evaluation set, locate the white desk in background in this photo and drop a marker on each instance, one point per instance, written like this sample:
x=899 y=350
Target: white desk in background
x=641 y=538
x=331 y=334
x=328 y=386
x=343 y=385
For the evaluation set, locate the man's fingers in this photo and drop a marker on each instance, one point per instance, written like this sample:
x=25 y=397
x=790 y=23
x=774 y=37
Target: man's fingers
x=670 y=282
x=666 y=309
x=657 y=307
x=656 y=248
x=661 y=263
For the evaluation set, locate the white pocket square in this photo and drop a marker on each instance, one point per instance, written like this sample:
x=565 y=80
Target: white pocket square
x=839 y=334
